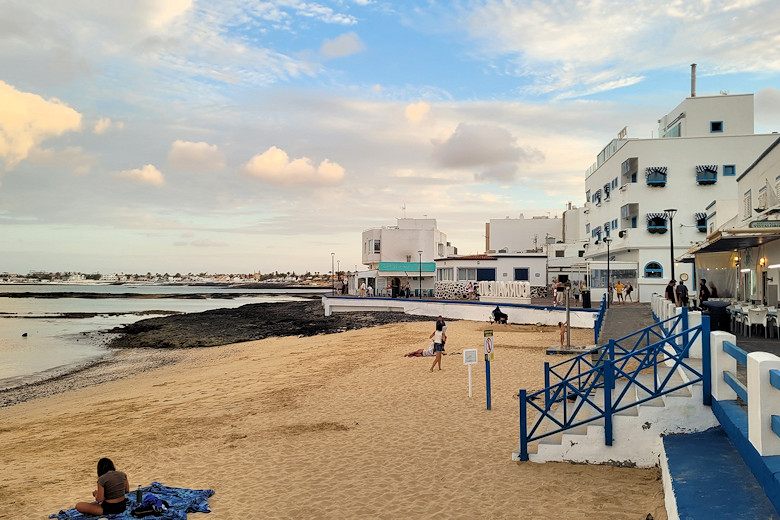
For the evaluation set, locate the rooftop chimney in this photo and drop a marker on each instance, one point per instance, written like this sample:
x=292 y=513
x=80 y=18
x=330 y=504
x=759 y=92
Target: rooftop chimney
x=693 y=80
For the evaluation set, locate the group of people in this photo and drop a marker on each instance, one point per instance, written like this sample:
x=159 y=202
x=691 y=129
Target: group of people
x=623 y=292
x=436 y=348
x=678 y=293
x=558 y=289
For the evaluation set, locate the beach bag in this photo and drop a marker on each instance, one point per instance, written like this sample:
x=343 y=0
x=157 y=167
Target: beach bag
x=151 y=505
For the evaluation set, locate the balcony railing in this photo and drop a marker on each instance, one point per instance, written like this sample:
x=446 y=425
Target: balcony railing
x=656 y=179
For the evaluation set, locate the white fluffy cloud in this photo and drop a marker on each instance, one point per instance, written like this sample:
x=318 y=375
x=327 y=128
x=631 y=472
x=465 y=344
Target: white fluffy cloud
x=344 y=45
x=275 y=166
x=416 y=112
x=189 y=156
x=26 y=120
x=104 y=124
x=482 y=145
x=148 y=174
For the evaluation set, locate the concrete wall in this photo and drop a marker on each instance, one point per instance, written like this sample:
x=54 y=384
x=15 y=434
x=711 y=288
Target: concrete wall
x=475 y=311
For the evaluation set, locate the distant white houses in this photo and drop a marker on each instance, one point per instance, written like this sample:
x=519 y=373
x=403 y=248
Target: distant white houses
x=402 y=255
x=522 y=235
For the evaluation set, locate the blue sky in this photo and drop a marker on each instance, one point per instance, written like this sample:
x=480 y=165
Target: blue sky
x=236 y=136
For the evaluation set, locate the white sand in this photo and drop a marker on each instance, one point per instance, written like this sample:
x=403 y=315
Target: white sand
x=335 y=426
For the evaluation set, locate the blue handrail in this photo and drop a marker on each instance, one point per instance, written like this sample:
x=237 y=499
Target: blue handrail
x=735 y=352
x=600 y=318
x=774 y=378
x=603 y=374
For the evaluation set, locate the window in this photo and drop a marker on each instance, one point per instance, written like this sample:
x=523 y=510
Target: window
x=521 y=274
x=656 y=222
x=628 y=170
x=376 y=246
x=614 y=224
x=607 y=189
x=707 y=174
x=559 y=253
x=587 y=196
x=747 y=205
x=656 y=175
x=606 y=228
x=467 y=274
x=673 y=131
x=408 y=258
x=701 y=221
x=633 y=222
x=587 y=228
x=444 y=274
x=654 y=270
x=716 y=126
x=729 y=169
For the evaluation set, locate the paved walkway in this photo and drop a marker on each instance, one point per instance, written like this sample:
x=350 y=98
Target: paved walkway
x=623 y=319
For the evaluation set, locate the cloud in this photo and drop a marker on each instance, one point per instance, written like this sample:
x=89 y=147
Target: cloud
x=416 y=112
x=72 y=157
x=275 y=166
x=474 y=145
x=145 y=175
x=103 y=125
x=554 y=44
x=26 y=120
x=506 y=172
x=341 y=46
x=189 y=156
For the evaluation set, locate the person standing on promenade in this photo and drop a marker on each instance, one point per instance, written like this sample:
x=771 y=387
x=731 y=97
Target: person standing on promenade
x=704 y=292
x=629 y=290
x=575 y=287
x=110 y=493
x=670 y=292
x=619 y=290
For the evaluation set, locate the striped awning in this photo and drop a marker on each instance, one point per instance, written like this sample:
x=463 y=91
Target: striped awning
x=709 y=168
x=653 y=216
x=700 y=216
x=655 y=170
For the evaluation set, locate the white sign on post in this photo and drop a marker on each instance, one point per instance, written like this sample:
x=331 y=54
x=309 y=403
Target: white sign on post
x=470 y=358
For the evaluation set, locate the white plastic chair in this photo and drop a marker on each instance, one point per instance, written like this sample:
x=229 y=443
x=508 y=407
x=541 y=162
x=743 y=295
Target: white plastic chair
x=756 y=316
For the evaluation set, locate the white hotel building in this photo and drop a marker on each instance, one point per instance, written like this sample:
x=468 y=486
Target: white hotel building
x=704 y=145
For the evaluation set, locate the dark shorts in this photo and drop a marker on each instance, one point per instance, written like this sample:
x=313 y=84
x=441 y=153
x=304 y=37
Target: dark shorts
x=438 y=347
x=113 y=508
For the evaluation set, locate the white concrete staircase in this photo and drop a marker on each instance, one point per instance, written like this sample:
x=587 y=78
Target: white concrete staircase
x=637 y=430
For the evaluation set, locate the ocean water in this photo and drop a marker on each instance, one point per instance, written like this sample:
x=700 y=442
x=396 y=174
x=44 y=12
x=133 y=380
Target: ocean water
x=38 y=342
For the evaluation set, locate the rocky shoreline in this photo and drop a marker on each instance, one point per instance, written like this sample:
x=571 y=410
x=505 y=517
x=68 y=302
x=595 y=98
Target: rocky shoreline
x=156 y=342
x=247 y=323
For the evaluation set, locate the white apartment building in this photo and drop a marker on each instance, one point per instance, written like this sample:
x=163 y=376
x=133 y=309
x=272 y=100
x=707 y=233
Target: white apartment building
x=521 y=235
x=403 y=254
x=741 y=256
x=704 y=145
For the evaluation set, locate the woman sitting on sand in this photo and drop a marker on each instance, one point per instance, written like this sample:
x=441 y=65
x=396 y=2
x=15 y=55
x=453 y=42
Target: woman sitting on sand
x=110 y=493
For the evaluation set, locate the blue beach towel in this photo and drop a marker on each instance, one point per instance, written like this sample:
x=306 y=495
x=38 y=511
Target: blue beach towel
x=180 y=501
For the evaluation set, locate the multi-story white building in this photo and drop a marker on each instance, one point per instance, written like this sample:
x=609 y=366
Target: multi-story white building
x=704 y=145
x=521 y=235
x=741 y=256
x=403 y=254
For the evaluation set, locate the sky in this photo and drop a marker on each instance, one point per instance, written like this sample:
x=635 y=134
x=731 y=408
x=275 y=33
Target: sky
x=243 y=136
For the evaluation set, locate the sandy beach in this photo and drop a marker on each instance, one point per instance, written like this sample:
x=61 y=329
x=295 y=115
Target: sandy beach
x=330 y=426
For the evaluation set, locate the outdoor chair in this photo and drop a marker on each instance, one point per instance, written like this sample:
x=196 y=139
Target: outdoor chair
x=756 y=316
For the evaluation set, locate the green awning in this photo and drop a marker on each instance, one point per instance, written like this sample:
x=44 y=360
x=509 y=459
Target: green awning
x=415 y=267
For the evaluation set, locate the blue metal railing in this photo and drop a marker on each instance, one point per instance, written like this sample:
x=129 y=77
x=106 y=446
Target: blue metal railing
x=583 y=377
x=600 y=318
x=731 y=378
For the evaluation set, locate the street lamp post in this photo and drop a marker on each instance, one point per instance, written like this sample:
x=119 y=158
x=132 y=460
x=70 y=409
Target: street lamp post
x=607 y=240
x=332 y=267
x=670 y=213
x=420 y=252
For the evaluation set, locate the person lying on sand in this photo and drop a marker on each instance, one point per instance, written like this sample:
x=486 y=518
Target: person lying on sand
x=423 y=352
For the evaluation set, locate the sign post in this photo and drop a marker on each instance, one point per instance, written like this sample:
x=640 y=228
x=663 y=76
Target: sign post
x=470 y=358
x=488 y=358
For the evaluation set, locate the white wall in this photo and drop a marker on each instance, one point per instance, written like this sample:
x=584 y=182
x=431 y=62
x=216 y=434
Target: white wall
x=517 y=234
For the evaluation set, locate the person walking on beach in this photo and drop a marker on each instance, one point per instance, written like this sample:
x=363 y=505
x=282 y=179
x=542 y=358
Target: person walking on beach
x=442 y=326
x=110 y=493
x=439 y=338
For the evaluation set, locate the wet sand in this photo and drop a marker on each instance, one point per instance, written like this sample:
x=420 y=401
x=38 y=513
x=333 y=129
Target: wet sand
x=328 y=426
